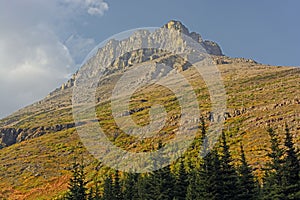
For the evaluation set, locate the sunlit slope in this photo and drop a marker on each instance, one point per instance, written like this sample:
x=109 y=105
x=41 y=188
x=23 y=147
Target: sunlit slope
x=258 y=96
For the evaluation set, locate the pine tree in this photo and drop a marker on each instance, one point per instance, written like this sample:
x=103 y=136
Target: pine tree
x=273 y=187
x=248 y=186
x=211 y=177
x=229 y=176
x=117 y=190
x=94 y=193
x=161 y=184
x=192 y=186
x=291 y=168
x=181 y=182
x=207 y=182
x=130 y=186
x=108 y=189
x=204 y=139
x=77 y=184
x=144 y=187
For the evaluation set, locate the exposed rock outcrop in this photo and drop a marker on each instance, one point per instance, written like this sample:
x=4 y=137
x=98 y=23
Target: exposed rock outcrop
x=211 y=47
x=220 y=60
x=132 y=57
x=10 y=136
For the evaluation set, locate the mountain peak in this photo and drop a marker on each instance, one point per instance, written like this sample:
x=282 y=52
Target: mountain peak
x=177 y=25
x=210 y=46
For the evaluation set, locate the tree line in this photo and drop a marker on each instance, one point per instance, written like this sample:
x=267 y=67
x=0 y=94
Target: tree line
x=214 y=177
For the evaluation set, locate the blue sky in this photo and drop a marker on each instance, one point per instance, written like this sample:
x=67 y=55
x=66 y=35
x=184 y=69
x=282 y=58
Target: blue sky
x=267 y=31
x=42 y=42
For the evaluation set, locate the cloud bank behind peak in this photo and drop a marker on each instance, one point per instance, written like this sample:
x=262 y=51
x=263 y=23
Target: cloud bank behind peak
x=37 y=52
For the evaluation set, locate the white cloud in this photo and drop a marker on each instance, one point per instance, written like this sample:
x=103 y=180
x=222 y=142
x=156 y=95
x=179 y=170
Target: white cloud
x=92 y=7
x=96 y=7
x=34 y=60
x=32 y=64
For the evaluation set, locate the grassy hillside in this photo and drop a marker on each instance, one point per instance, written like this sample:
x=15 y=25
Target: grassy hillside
x=258 y=96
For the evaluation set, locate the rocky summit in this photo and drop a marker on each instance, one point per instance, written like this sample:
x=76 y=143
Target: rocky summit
x=10 y=135
x=39 y=142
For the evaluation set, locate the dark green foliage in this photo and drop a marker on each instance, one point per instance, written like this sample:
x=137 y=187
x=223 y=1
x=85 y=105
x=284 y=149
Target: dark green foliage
x=204 y=139
x=282 y=175
x=131 y=186
x=161 y=184
x=94 y=193
x=108 y=189
x=206 y=183
x=112 y=187
x=291 y=169
x=117 y=191
x=158 y=184
x=181 y=182
x=193 y=186
x=273 y=188
x=247 y=183
x=229 y=178
x=212 y=178
x=144 y=185
x=77 y=184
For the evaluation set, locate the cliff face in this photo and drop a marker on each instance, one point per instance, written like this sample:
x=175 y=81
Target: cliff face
x=144 y=38
x=37 y=143
x=19 y=127
x=211 y=47
x=11 y=133
x=10 y=136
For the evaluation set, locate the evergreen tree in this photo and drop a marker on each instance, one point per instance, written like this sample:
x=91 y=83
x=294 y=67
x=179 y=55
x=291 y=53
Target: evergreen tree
x=291 y=169
x=230 y=188
x=248 y=186
x=108 y=189
x=192 y=186
x=77 y=184
x=211 y=177
x=181 y=182
x=273 y=187
x=161 y=184
x=130 y=187
x=117 y=190
x=94 y=193
x=207 y=182
x=204 y=139
x=144 y=187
